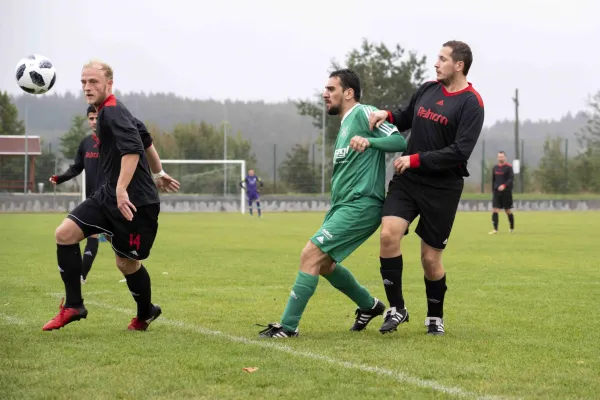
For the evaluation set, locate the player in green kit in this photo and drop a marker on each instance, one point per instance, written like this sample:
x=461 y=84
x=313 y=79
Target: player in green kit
x=357 y=196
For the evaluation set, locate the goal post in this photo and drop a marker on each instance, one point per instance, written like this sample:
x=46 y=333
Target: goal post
x=241 y=163
x=183 y=189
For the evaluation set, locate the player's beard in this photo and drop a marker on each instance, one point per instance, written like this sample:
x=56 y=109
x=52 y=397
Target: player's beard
x=447 y=80
x=334 y=110
x=102 y=95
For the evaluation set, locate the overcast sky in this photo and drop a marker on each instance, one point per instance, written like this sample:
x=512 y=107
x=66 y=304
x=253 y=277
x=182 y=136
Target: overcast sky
x=278 y=50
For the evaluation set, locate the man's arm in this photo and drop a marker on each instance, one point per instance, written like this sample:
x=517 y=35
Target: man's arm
x=395 y=143
x=511 y=176
x=153 y=160
x=509 y=180
x=74 y=169
x=144 y=134
x=164 y=181
x=128 y=165
x=151 y=153
x=493 y=177
x=130 y=147
x=242 y=183
x=469 y=129
x=403 y=116
x=127 y=137
x=386 y=136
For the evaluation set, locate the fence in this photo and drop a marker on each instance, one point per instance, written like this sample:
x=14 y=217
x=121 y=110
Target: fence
x=307 y=174
x=551 y=166
x=297 y=169
x=15 y=172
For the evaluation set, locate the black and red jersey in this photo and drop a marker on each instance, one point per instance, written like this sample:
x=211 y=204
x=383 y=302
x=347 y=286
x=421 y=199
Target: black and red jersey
x=86 y=158
x=444 y=128
x=121 y=134
x=144 y=134
x=502 y=174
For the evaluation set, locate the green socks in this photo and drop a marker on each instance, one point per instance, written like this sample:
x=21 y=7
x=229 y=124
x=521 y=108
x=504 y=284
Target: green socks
x=305 y=286
x=303 y=289
x=342 y=279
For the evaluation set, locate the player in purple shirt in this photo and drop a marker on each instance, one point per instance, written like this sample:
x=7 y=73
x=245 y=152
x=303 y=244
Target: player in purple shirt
x=253 y=185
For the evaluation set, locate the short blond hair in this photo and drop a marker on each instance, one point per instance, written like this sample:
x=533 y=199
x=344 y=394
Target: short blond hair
x=102 y=66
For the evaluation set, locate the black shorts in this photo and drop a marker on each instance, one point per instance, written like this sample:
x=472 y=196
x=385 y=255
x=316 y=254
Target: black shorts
x=436 y=207
x=502 y=200
x=130 y=239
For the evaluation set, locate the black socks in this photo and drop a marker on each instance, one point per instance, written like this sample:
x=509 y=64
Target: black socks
x=69 y=265
x=435 y=291
x=139 y=286
x=89 y=254
x=391 y=273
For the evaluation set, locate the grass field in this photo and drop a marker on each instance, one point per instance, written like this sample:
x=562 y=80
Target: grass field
x=521 y=316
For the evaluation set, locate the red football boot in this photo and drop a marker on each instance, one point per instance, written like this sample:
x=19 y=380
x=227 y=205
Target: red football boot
x=65 y=316
x=140 y=324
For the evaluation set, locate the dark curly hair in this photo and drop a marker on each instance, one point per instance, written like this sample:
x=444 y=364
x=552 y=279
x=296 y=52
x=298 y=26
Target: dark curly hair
x=349 y=80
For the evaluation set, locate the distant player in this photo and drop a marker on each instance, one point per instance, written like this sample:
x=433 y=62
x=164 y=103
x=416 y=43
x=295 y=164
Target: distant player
x=86 y=159
x=357 y=195
x=253 y=186
x=445 y=117
x=125 y=208
x=502 y=186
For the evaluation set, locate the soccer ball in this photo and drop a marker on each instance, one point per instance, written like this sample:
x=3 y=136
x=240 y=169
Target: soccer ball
x=35 y=74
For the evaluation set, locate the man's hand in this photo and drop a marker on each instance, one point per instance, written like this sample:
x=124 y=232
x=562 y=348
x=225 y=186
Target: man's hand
x=501 y=187
x=359 y=143
x=53 y=179
x=125 y=206
x=377 y=118
x=167 y=184
x=401 y=164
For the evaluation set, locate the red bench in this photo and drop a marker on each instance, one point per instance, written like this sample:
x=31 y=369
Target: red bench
x=15 y=185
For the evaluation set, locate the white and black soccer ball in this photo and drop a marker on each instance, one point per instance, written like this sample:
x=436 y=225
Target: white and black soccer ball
x=36 y=74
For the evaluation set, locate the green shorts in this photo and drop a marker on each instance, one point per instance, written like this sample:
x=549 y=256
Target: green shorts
x=347 y=226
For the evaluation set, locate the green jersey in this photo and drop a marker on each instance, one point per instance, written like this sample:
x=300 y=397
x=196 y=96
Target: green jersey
x=355 y=174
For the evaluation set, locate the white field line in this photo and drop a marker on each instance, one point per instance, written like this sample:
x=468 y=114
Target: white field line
x=97 y=292
x=12 y=320
x=384 y=372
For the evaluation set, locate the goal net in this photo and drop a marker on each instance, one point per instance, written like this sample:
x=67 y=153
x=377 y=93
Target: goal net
x=206 y=185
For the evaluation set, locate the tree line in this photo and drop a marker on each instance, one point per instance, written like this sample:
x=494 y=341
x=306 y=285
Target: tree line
x=563 y=170
x=258 y=133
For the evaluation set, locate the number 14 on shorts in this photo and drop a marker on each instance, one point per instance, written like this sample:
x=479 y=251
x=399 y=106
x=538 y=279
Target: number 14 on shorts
x=134 y=240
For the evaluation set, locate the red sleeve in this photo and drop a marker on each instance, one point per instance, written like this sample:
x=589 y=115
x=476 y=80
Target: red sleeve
x=390 y=117
x=415 y=161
